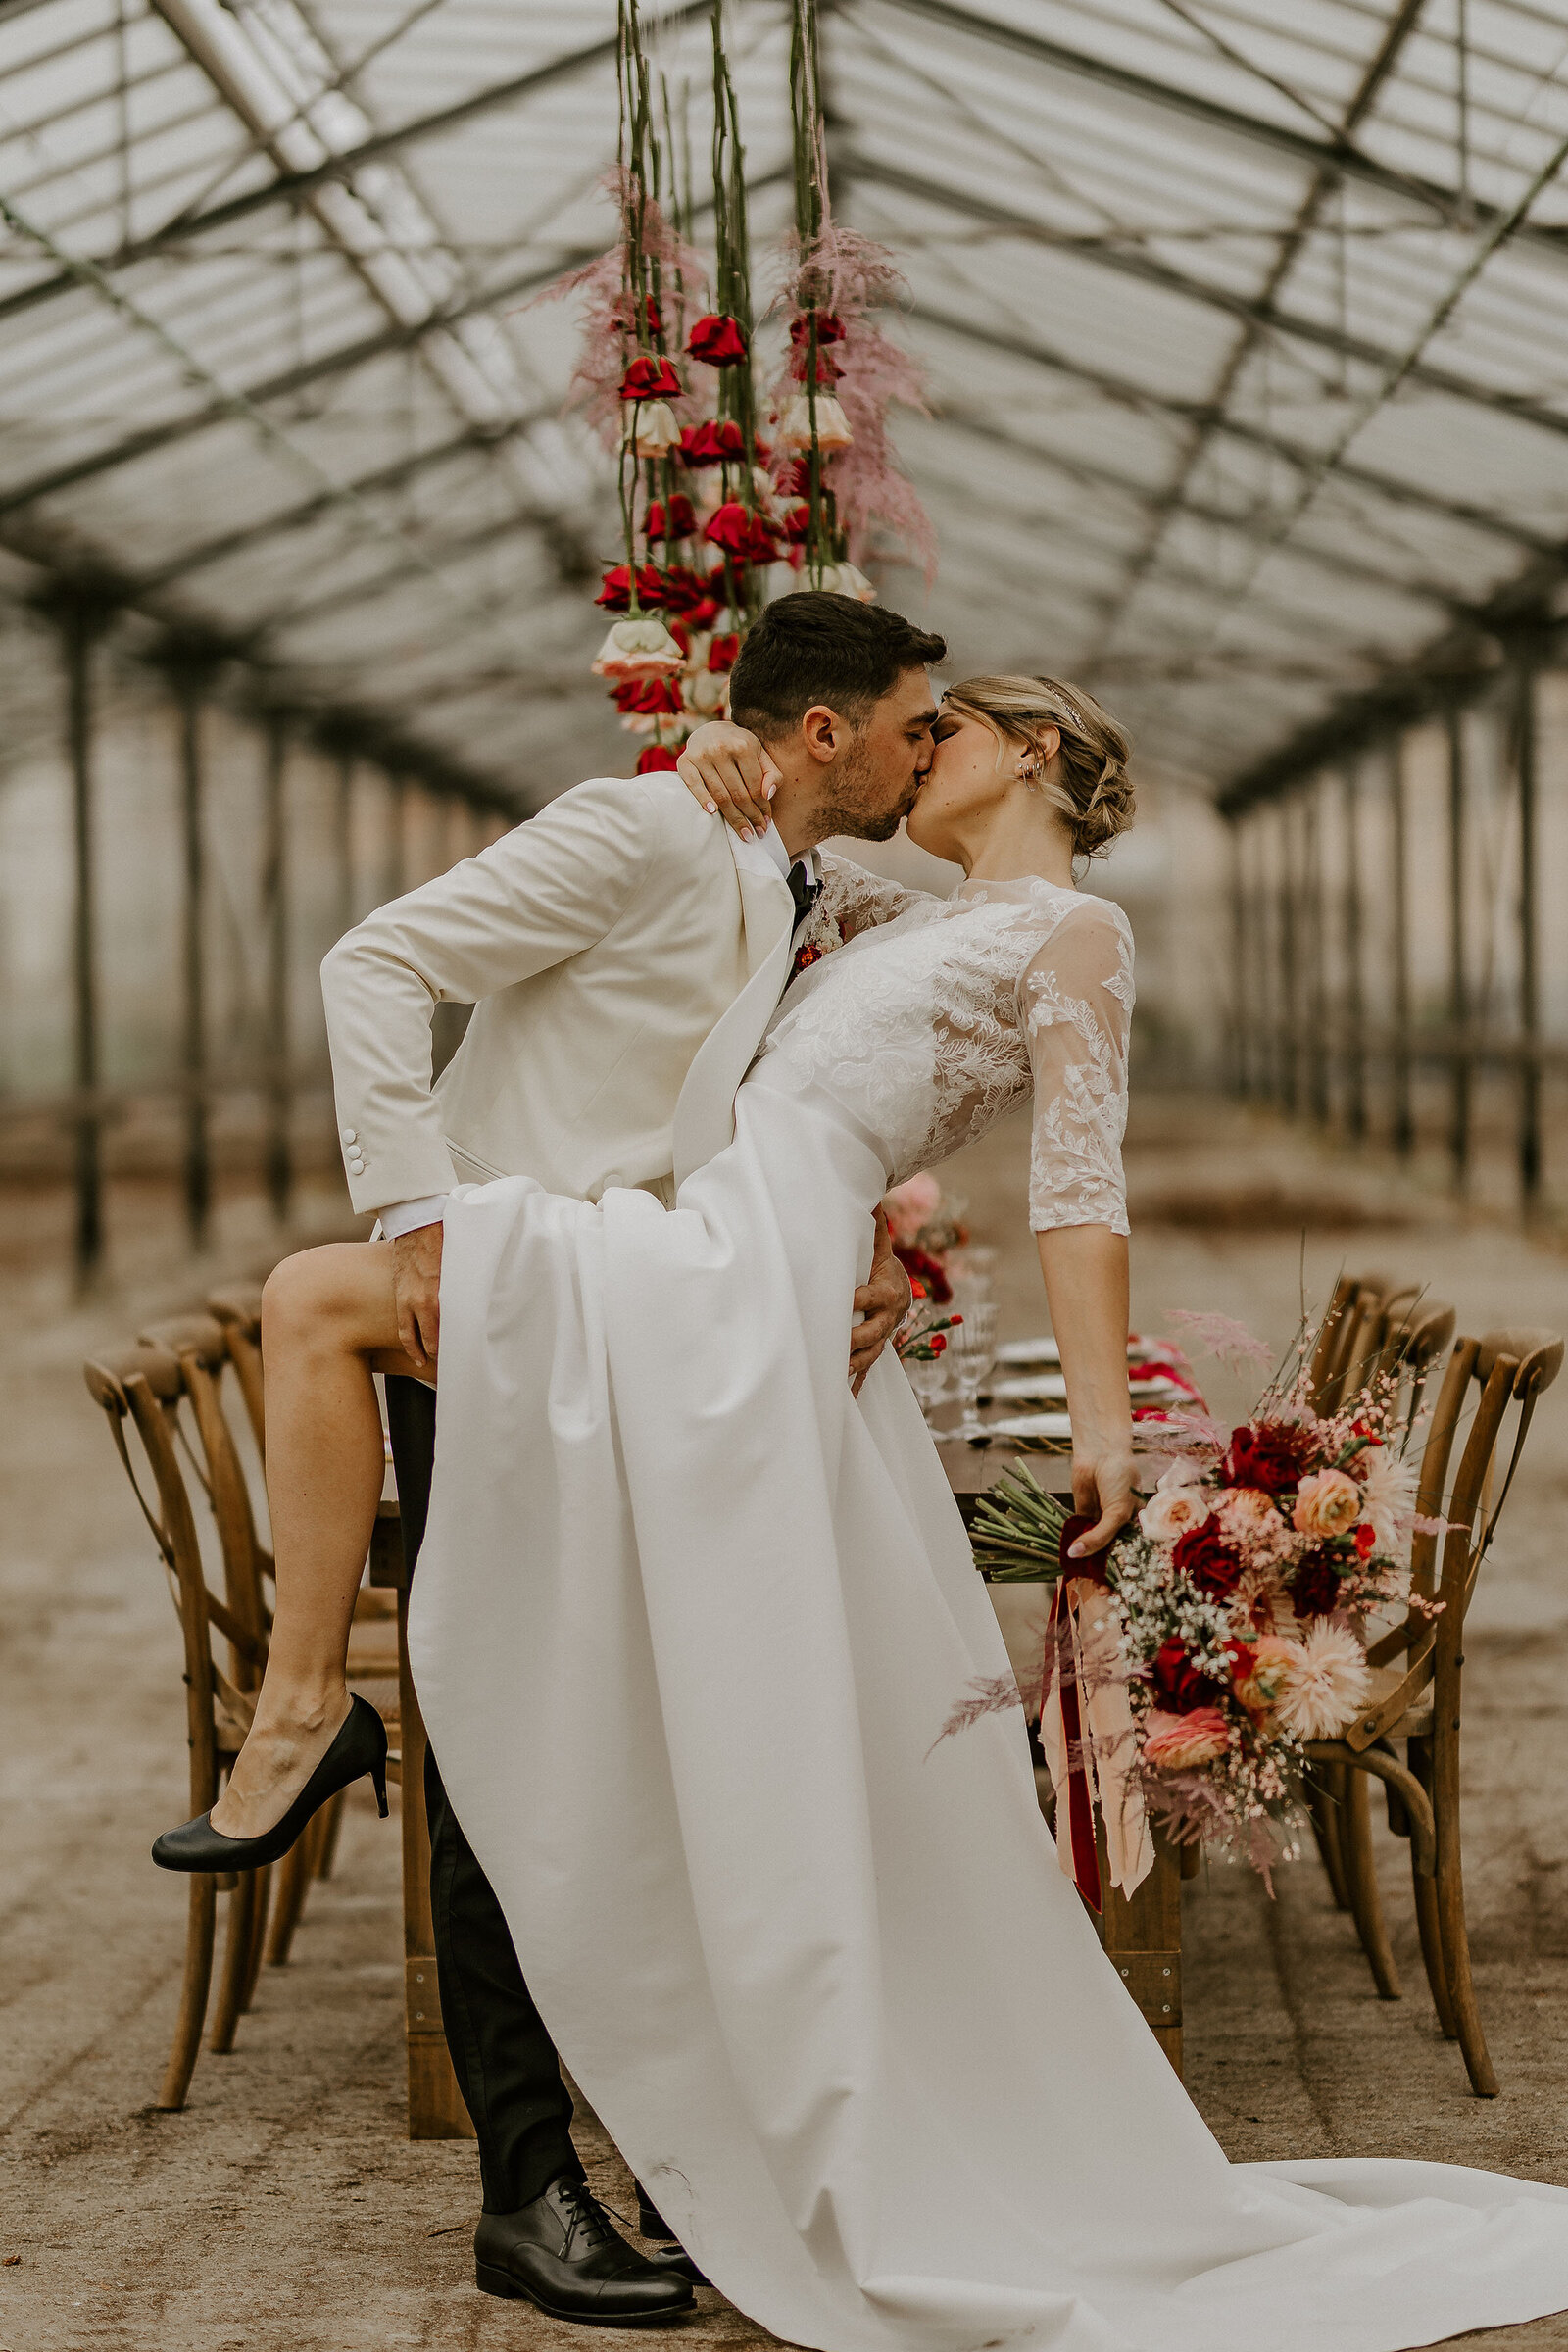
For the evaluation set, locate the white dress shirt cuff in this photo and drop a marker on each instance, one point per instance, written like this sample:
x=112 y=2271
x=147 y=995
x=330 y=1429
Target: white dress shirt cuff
x=407 y=1216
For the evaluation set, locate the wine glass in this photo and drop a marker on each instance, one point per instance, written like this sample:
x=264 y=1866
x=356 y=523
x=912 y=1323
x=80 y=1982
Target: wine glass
x=972 y=1352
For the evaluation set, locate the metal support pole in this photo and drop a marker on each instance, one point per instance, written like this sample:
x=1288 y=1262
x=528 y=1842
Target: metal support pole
x=1315 y=1008
x=1290 y=961
x=1459 y=1064
x=1402 y=1117
x=1238 y=1073
x=274 y=895
x=1353 y=1010
x=189 y=683
x=343 y=842
x=1529 y=959
x=81 y=622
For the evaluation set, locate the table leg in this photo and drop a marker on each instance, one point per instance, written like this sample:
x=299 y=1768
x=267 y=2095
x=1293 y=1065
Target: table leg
x=435 y=2104
x=1141 y=1934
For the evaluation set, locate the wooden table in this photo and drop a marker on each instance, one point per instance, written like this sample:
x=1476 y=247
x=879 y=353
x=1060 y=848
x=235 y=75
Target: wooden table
x=1141 y=1933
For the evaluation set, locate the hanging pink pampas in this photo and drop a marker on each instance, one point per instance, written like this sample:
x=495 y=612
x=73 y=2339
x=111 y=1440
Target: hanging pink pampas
x=611 y=330
x=844 y=278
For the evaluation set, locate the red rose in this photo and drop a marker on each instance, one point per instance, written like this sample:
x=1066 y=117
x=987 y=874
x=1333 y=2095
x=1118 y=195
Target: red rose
x=1179 y=1683
x=722 y=652
x=828 y=369
x=1271 y=1454
x=616 y=595
x=794 y=481
x=1315 y=1585
x=650 y=697
x=920 y=1264
x=683 y=590
x=1204 y=1555
x=712 y=443
x=703 y=613
x=743 y=536
x=657 y=756
x=674 y=521
x=649 y=378
x=718 y=339
x=829 y=327
x=797 y=522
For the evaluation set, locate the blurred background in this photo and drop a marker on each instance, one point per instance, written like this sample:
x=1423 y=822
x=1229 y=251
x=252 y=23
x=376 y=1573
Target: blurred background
x=1245 y=341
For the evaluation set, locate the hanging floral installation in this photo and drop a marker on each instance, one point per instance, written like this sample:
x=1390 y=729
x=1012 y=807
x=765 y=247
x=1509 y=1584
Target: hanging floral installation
x=714 y=517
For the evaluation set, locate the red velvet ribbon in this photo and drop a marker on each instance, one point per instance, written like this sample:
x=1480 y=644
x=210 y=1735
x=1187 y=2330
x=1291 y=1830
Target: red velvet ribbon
x=1080 y=1811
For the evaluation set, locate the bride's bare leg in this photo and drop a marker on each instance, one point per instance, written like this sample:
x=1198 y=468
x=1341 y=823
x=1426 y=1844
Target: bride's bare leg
x=327 y=1323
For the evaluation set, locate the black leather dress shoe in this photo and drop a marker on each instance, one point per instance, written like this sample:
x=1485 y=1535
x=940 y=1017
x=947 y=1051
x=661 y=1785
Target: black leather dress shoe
x=562 y=2253
x=669 y=2252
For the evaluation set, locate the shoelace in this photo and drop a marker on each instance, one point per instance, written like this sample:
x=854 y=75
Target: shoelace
x=588 y=2218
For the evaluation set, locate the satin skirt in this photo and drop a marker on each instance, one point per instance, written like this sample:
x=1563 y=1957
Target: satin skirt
x=688 y=1623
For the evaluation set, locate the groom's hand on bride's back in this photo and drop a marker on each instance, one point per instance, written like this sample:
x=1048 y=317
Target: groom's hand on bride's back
x=417 y=1291
x=731 y=774
x=884 y=1298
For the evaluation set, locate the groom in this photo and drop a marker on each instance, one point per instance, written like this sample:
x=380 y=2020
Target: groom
x=603 y=944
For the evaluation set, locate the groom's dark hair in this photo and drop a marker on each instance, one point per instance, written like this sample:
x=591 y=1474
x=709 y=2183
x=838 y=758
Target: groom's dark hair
x=815 y=647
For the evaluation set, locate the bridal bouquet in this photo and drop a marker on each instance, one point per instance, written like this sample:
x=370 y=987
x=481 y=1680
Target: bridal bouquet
x=1189 y=1665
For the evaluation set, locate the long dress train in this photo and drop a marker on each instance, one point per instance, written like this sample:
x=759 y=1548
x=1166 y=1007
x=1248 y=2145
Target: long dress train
x=687 y=1624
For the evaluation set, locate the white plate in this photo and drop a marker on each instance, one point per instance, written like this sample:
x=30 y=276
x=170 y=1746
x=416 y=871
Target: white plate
x=1031 y=1425
x=1044 y=1350
x=1050 y=1387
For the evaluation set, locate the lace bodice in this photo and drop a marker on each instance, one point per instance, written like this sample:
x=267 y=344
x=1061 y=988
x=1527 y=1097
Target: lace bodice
x=936 y=1017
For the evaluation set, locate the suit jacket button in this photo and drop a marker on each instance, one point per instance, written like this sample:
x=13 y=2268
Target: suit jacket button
x=349 y=1136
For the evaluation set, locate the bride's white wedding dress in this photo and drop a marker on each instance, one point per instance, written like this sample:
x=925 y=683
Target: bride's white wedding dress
x=687 y=1624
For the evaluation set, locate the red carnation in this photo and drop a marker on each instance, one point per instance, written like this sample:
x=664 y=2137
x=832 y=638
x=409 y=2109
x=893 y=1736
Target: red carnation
x=1179 y=1683
x=829 y=327
x=658 y=755
x=722 y=652
x=921 y=1267
x=718 y=340
x=710 y=444
x=1315 y=1585
x=615 y=593
x=1271 y=1454
x=1204 y=1555
x=674 y=521
x=649 y=378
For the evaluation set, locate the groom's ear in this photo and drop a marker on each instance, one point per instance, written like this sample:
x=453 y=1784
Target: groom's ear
x=825 y=733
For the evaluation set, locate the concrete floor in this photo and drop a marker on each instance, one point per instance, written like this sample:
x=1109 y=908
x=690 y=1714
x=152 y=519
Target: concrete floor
x=285 y=2209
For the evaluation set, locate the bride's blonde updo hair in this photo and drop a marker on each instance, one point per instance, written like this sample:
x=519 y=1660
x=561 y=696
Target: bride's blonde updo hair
x=1088 y=782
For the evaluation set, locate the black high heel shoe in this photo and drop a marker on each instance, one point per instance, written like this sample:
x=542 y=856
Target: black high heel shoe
x=358 y=1747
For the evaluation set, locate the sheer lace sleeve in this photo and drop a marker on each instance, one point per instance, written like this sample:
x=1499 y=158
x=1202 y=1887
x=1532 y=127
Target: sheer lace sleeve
x=856 y=899
x=1075 y=1002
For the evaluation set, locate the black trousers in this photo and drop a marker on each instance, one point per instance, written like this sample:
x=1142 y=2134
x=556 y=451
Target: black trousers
x=507 y=2065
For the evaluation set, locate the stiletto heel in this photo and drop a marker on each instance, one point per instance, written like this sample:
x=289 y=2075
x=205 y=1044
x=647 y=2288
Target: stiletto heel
x=360 y=1747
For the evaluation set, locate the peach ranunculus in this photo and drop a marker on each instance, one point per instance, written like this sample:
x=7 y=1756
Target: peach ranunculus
x=1181 y=1743
x=1273 y=1661
x=1171 y=1511
x=912 y=1205
x=1327 y=1504
x=1255 y=1525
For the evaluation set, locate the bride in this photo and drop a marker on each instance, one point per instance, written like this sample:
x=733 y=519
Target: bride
x=822 y=1981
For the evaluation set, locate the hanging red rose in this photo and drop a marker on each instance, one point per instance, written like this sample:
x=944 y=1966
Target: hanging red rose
x=653 y=698
x=796 y=479
x=655 y=760
x=683 y=590
x=615 y=593
x=739 y=534
x=797 y=524
x=828 y=369
x=718 y=340
x=829 y=327
x=710 y=444
x=701 y=615
x=674 y=521
x=722 y=652
x=649 y=378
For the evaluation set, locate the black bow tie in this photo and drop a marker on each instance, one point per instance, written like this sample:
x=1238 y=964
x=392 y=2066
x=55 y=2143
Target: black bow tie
x=802 y=890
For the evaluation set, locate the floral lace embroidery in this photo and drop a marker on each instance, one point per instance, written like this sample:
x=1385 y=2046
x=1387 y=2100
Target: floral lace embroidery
x=932 y=1023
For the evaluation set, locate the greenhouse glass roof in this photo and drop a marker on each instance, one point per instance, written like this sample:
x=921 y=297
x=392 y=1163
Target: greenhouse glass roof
x=1245 y=329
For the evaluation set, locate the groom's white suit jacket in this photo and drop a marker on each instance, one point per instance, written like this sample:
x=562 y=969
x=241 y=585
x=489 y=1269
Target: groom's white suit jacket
x=623 y=952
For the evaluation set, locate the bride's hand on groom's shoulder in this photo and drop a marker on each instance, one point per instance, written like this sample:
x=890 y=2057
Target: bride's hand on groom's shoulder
x=727 y=769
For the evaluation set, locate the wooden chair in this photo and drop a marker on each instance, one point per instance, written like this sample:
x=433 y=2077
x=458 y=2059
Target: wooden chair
x=239 y=1310
x=204 y=1345
x=142 y=1387
x=1374 y=1334
x=1418 y=1670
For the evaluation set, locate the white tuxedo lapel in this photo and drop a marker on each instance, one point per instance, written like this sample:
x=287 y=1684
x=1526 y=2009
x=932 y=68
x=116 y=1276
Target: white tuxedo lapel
x=705 y=1114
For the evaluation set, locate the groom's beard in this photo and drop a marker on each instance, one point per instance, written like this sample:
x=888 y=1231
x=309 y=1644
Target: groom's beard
x=843 y=810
